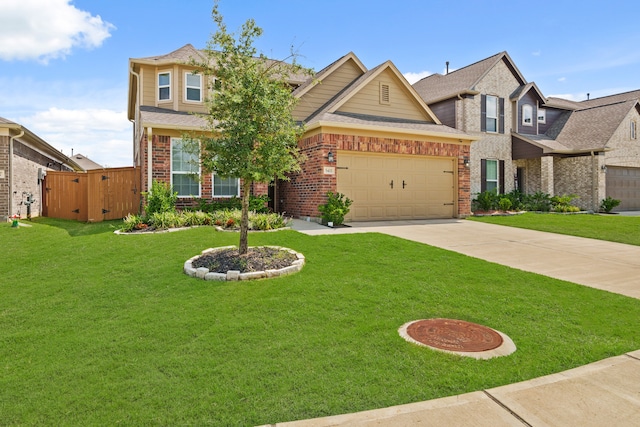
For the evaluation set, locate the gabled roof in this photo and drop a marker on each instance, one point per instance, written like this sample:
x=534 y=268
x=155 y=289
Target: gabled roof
x=317 y=77
x=39 y=143
x=342 y=97
x=438 y=87
x=182 y=55
x=86 y=163
x=618 y=97
x=170 y=119
x=561 y=103
x=524 y=89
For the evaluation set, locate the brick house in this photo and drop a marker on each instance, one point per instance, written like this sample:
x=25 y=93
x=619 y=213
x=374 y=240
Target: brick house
x=367 y=134
x=532 y=143
x=24 y=160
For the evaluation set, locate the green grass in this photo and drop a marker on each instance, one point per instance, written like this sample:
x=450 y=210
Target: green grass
x=614 y=228
x=101 y=329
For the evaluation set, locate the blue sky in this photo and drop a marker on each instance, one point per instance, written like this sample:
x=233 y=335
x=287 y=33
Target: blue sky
x=63 y=63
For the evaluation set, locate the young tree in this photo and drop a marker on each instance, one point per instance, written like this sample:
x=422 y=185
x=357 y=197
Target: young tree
x=251 y=133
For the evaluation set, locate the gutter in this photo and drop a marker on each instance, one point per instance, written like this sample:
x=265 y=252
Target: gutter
x=20 y=135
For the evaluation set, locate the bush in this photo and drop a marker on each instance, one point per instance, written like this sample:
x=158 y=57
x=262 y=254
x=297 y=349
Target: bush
x=504 y=204
x=486 y=201
x=336 y=208
x=537 y=202
x=606 y=205
x=563 y=203
x=160 y=199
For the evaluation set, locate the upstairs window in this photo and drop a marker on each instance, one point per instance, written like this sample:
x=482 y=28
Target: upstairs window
x=491 y=105
x=225 y=187
x=185 y=170
x=527 y=115
x=633 y=130
x=193 y=87
x=542 y=115
x=164 y=86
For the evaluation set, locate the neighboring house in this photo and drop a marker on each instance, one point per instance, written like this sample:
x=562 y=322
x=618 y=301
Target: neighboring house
x=85 y=163
x=367 y=134
x=531 y=143
x=24 y=160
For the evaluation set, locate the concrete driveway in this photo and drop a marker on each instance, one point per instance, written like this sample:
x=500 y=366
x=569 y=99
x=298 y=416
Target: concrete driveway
x=606 y=392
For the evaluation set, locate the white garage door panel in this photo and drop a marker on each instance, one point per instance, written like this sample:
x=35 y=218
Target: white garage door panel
x=375 y=184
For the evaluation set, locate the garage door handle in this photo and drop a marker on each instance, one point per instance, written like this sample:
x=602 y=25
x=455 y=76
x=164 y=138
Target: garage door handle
x=391 y=184
x=403 y=184
x=448 y=204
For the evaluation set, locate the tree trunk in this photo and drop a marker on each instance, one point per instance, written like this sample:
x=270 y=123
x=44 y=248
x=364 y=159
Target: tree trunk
x=244 y=221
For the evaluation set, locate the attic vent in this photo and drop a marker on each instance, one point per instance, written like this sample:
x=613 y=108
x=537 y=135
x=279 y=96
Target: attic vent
x=384 y=94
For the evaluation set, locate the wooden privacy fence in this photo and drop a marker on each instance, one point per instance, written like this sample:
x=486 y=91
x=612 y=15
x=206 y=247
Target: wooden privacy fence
x=91 y=196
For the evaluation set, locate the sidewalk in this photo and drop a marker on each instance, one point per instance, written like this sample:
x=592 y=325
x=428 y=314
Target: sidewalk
x=606 y=392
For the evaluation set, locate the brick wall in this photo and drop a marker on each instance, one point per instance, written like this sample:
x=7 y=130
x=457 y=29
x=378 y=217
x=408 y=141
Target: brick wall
x=4 y=182
x=307 y=189
x=582 y=177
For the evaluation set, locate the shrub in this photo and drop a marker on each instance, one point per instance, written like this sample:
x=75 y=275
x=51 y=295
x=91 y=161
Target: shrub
x=258 y=204
x=336 y=208
x=160 y=199
x=504 y=204
x=563 y=203
x=486 y=201
x=133 y=222
x=165 y=220
x=606 y=205
x=539 y=202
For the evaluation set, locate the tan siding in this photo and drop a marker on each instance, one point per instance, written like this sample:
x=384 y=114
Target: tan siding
x=198 y=107
x=326 y=89
x=148 y=78
x=401 y=105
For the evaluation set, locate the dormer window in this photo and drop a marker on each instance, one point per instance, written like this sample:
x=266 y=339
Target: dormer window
x=164 y=86
x=542 y=115
x=193 y=87
x=527 y=115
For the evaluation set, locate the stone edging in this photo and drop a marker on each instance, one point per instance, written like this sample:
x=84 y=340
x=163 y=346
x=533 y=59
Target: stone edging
x=234 y=275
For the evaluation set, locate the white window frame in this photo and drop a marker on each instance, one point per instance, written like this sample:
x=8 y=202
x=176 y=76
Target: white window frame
x=527 y=113
x=633 y=130
x=488 y=117
x=167 y=86
x=542 y=115
x=497 y=178
x=173 y=172
x=187 y=87
x=223 y=196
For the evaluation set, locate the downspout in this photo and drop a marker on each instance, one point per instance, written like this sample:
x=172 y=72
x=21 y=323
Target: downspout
x=20 y=135
x=149 y=156
x=135 y=118
x=594 y=181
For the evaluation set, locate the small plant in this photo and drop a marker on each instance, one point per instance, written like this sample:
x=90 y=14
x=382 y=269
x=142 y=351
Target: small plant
x=336 y=208
x=537 y=202
x=606 y=205
x=486 y=201
x=504 y=204
x=160 y=199
x=132 y=222
x=563 y=203
x=258 y=204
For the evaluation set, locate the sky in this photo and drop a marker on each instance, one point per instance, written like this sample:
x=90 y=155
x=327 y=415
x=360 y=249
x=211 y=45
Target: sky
x=64 y=63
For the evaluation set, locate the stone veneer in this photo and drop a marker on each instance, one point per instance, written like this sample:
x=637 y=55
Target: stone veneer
x=306 y=190
x=234 y=275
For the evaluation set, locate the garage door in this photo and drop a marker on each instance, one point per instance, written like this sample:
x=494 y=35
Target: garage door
x=624 y=184
x=392 y=187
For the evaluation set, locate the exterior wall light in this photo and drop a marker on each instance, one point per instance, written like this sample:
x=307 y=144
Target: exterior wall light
x=330 y=157
x=603 y=168
x=467 y=162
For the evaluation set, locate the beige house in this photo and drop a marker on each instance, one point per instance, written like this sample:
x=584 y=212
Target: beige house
x=368 y=134
x=25 y=159
x=536 y=144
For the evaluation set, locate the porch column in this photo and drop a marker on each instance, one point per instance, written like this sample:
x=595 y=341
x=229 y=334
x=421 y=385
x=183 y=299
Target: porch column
x=546 y=175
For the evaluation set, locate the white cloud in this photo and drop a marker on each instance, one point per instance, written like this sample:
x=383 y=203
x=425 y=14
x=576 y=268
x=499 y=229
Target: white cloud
x=44 y=30
x=100 y=134
x=562 y=79
x=536 y=53
x=414 y=77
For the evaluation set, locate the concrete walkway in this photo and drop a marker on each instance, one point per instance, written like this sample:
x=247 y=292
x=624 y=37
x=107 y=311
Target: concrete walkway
x=601 y=393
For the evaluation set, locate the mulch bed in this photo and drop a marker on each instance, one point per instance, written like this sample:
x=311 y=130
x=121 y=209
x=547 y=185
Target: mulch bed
x=256 y=259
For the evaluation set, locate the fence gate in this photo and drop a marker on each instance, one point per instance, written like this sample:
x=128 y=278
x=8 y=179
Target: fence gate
x=92 y=196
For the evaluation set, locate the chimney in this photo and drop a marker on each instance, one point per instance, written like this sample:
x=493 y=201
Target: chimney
x=447 y=67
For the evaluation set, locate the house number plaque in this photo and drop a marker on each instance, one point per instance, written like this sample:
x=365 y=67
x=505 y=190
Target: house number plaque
x=329 y=170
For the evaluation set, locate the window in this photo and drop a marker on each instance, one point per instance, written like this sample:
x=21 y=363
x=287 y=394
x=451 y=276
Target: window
x=193 y=87
x=164 y=86
x=492 y=113
x=527 y=115
x=225 y=187
x=542 y=115
x=492 y=176
x=184 y=169
x=633 y=130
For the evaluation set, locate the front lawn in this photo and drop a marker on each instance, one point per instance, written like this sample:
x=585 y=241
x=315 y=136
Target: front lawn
x=104 y=329
x=614 y=228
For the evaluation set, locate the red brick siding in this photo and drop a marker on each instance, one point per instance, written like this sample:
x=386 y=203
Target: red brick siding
x=306 y=190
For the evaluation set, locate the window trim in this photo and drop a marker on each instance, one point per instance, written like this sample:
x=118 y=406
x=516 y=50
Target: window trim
x=527 y=108
x=173 y=172
x=542 y=115
x=633 y=130
x=487 y=116
x=218 y=196
x=187 y=87
x=168 y=72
